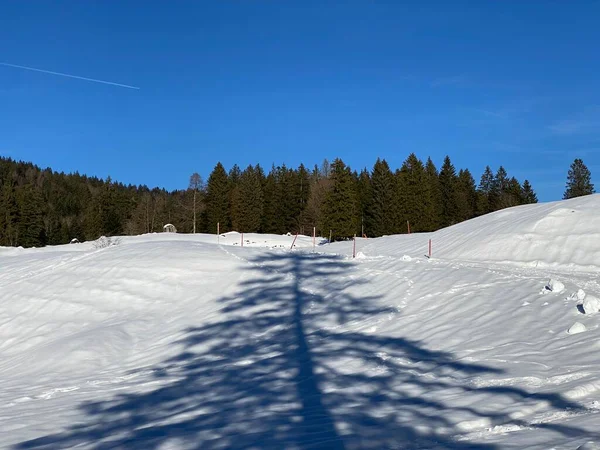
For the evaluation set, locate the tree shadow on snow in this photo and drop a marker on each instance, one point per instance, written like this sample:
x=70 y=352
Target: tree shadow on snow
x=289 y=367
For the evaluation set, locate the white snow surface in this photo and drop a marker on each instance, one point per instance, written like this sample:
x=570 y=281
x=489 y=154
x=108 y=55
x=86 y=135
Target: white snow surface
x=170 y=341
x=577 y=328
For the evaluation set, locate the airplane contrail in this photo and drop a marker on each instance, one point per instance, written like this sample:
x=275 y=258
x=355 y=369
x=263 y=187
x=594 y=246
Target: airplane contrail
x=69 y=76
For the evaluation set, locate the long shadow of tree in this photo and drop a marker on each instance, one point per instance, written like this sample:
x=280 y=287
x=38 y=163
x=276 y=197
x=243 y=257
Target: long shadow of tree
x=288 y=366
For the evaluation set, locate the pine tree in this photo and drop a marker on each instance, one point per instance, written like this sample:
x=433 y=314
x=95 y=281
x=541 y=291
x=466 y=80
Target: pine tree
x=217 y=200
x=528 y=195
x=448 y=183
x=340 y=204
x=382 y=214
x=579 y=180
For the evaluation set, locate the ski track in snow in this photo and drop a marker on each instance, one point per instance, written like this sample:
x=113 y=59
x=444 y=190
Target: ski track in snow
x=80 y=325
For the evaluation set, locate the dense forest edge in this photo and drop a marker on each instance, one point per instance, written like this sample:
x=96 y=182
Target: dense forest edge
x=41 y=207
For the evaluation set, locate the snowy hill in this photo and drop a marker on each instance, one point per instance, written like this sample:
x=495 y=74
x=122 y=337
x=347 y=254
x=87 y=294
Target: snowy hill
x=172 y=341
x=562 y=234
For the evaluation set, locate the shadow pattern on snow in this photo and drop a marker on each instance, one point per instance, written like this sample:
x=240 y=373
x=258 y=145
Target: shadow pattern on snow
x=286 y=366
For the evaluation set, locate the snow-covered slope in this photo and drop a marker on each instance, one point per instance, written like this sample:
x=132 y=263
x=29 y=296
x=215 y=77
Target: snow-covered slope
x=179 y=342
x=562 y=234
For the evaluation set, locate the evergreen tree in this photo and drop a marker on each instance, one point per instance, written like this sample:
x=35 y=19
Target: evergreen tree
x=528 y=195
x=31 y=230
x=382 y=214
x=500 y=187
x=271 y=221
x=513 y=194
x=217 y=200
x=340 y=204
x=466 y=195
x=364 y=197
x=448 y=184
x=413 y=194
x=9 y=212
x=235 y=198
x=579 y=180
x=485 y=192
x=303 y=183
x=250 y=207
x=433 y=203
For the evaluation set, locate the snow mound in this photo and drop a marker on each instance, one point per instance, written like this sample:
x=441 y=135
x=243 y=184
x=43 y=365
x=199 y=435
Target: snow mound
x=555 y=286
x=591 y=304
x=360 y=255
x=577 y=328
x=406 y=258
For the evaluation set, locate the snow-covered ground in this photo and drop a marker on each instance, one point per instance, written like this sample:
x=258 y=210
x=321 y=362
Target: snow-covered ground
x=172 y=341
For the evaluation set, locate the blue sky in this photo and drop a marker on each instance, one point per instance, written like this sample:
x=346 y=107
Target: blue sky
x=513 y=83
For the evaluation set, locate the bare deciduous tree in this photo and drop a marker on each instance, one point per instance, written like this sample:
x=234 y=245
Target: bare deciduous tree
x=195 y=185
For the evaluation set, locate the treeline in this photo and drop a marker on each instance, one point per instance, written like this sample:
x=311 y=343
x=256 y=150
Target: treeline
x=40 y=207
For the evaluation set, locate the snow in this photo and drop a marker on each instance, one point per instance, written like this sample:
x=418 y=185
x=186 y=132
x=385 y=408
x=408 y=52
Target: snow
x=192 y=341
x=576 y=328
x=591 y=304
x=555 y=286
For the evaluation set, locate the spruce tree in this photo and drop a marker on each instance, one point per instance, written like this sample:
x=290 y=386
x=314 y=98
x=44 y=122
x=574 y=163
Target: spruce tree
x=250 y=207
x=466 y=195
x=484 y=192
x=433 y=203
x=364 y=198
x=448 y=184
x=340 y=204
x=513 y=193
x=382 y=214
x=31 y=220
x=9 y=214
x=235 y=200
x=413 y=191
x=270 y=219
x=217 y=200
x=528 y=195
x=499 y=193
x=579 y=180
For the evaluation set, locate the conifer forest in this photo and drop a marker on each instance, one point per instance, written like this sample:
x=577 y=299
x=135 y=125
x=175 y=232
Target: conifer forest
x=41 y=207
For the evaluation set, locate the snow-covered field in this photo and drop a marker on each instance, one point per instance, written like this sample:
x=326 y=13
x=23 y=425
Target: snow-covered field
x=179 y=342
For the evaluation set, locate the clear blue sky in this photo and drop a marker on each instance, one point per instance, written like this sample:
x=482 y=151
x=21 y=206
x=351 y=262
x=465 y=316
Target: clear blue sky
x=515 y=83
